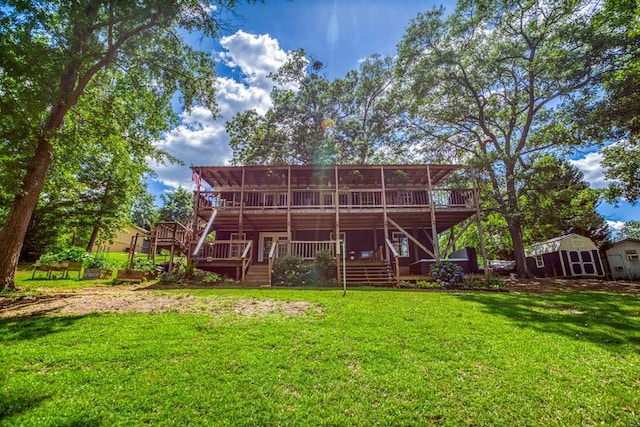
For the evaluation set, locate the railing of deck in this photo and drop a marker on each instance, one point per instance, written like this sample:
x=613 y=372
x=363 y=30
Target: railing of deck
x=247 y=258
x=395 y=258
x=307 y=249
x=173 y=232
x=224 y=250
x=352 y=199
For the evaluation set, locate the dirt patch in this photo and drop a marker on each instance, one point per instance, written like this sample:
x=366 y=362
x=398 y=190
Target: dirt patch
x=551 y=285
x=131 y=299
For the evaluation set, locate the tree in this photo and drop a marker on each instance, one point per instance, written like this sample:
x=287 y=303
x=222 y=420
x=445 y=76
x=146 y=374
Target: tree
x=618 y=115
x=177 y=205
x=55 y=52
x=486 y=87
x=630 y=230
x=143 y=210
x=317 y=121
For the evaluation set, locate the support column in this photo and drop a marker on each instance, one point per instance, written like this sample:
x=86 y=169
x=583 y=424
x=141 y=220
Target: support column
x=476 y=201
x=336 y=204
x=289 y=236
x=387 y=253
x=434 y=231
x=241 y=212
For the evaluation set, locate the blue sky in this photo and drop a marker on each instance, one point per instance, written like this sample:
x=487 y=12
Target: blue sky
x=338 y=33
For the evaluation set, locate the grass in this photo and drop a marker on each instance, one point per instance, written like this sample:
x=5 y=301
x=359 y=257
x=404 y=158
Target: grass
x=374 y=357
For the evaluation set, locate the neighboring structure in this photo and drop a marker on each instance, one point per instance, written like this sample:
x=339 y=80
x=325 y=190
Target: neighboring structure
x=386 y=216
x=623 y=258
x=565 y=256
x=125 y=239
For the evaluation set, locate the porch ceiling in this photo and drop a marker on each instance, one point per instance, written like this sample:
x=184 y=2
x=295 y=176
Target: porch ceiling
x=227 y=177
x=361 y=220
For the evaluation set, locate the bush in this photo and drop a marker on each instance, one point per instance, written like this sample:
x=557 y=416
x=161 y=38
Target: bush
x=424 y=284
x=291 y=271
x=98 y=260
x=140 y=264
x=495 y=282
x=446 y=273
x=72 y=253
x=472 y=282
x=325 y=268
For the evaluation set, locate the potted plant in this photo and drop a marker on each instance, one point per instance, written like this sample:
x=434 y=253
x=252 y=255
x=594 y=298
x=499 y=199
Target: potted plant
x=97 y=266
x=141 y=269
x=69 y=259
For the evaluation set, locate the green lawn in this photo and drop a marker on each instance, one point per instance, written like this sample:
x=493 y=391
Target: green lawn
x=373 y=357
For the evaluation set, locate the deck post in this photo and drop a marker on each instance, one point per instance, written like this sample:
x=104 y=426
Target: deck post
x=476 y=202
x=289 y=237
x=434 y=231
x=336 y=204
x=384 y=213
x=240 y=213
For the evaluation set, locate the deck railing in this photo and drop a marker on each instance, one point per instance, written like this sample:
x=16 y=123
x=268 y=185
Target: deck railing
x=348 y=199
x=395 y=258
x=223 y=250
x=172 y=232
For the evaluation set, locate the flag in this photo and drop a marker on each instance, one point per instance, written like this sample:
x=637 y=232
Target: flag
x=196 y=178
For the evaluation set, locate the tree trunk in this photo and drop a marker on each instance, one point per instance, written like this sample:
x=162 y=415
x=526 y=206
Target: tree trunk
x=515 y=230
x=92 y=239
x=15 y=228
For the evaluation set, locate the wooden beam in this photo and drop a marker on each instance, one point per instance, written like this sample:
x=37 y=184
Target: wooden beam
x=434 y=231
x=387 y=253
x=240 y=213
x=476 y=201
x=410 y=237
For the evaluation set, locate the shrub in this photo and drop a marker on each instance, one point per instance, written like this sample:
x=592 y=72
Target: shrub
x=140 y=264
x=472 y=282
x=72 y=253
x=291 y=271
x=98 y=260
x=446 y=273
x=495 y=282
x=325 y=267
x=424 y=284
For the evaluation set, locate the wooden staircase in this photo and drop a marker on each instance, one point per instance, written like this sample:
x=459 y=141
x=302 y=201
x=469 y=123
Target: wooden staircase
x=369 y=273
x=258 y=274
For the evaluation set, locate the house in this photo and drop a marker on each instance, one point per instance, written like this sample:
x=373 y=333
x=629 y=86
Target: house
x=125 y=239
x=376 y=220
x=565 y=256
x=623 y=258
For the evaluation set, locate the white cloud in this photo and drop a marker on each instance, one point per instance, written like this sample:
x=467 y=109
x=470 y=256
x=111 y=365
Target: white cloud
x=615 y=225
x=201 y=139
x=591 y=167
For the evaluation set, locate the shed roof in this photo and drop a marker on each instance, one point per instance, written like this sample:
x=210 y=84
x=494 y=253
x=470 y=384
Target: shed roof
x=555 y=244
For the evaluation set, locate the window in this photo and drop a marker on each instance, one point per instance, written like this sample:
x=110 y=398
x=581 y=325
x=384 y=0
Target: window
x=539 y=261
x=401 y=243
x=632 y=254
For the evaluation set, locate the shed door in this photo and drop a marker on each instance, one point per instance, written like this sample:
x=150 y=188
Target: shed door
x=581 y=263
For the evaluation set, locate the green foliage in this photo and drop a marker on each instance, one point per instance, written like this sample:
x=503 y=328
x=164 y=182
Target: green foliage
x=73 y=253
x=325 y=267
x=426 y=284
x=472 y=282
x=99 y=260
x=446 y=273
x=291 y=271
x=630 y=229
x=317 y=121
x=140 y=264
x=177 y=205
x=495 y=282
x=486 y=88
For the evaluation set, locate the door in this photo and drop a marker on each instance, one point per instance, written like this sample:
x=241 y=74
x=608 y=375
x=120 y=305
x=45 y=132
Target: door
x=581 y=263
x=266 y=240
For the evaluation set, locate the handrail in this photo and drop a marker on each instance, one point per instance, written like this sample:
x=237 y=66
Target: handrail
x=396 y=258
x=246 y=257
x=272 y=254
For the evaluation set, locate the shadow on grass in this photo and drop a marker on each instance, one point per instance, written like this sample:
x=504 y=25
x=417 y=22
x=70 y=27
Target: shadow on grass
x=34 y=326
x=608 y=320
x=19 y=402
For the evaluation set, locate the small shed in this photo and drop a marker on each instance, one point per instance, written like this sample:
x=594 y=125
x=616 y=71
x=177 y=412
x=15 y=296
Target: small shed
x=565 y=256
x=122 y=240
x=623 y=258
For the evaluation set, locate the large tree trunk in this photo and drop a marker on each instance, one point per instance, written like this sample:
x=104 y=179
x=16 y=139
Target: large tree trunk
x=515 y=230
x=15 y=228
x=92 y=239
